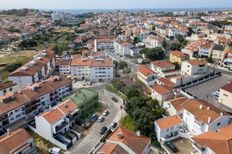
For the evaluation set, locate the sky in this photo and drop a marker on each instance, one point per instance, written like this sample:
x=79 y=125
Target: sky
x=113 y=4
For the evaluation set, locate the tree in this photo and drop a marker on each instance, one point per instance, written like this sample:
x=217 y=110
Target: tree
x=175 y=46
x=122 y=65
x=153 y=53
x=136 y=40
x=164 y=44
x=12 y=67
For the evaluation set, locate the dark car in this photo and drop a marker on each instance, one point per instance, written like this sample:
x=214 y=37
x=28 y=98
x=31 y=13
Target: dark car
x=114 y=99
x=172 y=147
x=94 y=117
x=113 y=125
x=103 y=130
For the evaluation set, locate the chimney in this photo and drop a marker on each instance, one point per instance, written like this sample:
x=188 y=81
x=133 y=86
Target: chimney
x=7 y=131
x=138 y=133
x=209 y=120
x=221 y=114
x=120 y=135
x=200 y=107
x=208 y=108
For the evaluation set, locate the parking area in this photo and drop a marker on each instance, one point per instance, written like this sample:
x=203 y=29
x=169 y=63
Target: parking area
x=205 y=89
x=184 y=146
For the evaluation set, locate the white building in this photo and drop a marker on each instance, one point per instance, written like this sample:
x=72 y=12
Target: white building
x=99 y=69
x=6 y=87
x=161 y=93
x=52 y=124
x=154 y=41
x=194 y=67
x=213 y=142
x=104 y=43
x=123 y=48
x=163 y=68
x=225 y=95
x=146 y=75
x=167 y=127
x=41 y=67
x=33 y=100
x=63 y=66
x=205 y=50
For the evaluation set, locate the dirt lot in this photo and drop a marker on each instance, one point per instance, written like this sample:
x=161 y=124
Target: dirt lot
x=183 y=145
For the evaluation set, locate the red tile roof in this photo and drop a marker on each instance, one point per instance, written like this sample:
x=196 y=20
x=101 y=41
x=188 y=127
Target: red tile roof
x=227 y=87
x=163 y=64
x=144 y=70
x=162 y=89
x=178 y=54
x=168 y=122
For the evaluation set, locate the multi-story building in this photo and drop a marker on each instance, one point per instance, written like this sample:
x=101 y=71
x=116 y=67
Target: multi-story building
x=8 y=86
x=123 y=141
x=123 y=48
x=177 y=57
x=163 y=68
x=225 y=95
x=31 y=101
x=213 y=142
x=205 y=50
x=194 y=67
x=154 y=41
x=92 y=69
x=167 y=127
x=104 y=43
x=41 y=67
x=146 y=75
x=17 y=142
x=218 y=52
x=161 y=93
x=63 y=66
x=53 y=124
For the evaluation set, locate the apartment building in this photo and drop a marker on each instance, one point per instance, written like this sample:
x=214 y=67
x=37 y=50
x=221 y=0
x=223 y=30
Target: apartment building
x=8 y=86
x=104 y=43
x=154 y=41
x=225 y=95
x=218 y=52
x=53 y=124
x=205 y=50
x=177 y=57
x=194 y=67
x=163 y=68
x=63 y=66
x=17 y=142
x=38 y=69
x=123 y=141
x=123 y=48
x=146 y=75
x=33 y=100
x=92 y=69
x=193 y=48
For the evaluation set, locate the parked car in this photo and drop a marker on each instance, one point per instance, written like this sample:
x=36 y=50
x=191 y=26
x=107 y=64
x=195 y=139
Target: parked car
x=105 y=113
x=113 y=125
x=100 y=119
x=103 y=130
x=54 y=150
x=94 y=117
x=114 y=99
x=172 y=147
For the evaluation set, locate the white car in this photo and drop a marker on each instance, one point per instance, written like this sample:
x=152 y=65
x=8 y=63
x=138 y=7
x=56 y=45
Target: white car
x=55 y=150
x=100 y=119
x=105 y=113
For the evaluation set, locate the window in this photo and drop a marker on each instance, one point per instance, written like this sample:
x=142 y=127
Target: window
x=218 y=124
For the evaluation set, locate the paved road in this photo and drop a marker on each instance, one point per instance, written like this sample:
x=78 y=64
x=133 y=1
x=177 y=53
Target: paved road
x=89 y=141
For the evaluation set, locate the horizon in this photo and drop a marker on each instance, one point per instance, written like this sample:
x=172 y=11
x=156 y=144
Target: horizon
x=115 y=4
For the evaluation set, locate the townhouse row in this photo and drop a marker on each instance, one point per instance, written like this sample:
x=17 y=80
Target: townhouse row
x=33 y=100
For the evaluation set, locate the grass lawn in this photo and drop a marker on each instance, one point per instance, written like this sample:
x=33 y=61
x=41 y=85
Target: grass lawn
x=128 y=123
x=18 y=57
x=42 y=144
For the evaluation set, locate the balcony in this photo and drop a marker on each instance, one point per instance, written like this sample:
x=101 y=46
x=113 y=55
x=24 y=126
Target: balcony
x=61 y=126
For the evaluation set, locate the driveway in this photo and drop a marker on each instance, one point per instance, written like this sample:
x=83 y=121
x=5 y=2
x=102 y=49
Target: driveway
x=89 y=141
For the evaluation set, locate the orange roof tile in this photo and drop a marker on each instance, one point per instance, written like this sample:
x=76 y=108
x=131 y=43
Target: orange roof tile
x=163 y=64
x=162 y=89
x=178 y=54
x=144 y=70
x=168 y=122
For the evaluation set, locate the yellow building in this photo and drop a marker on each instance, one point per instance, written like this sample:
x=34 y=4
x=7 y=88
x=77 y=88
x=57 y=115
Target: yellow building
x=177 y=57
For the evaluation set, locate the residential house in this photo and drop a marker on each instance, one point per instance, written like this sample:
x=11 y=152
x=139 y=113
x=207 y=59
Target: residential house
x=123 y=141
x=163 y=68
x=168 y=127
x=174 y=106
x=17 y=142
x=177 y=57
x=161 y=93
x=8 y=86
x=193 y=48
x=194 y=67
x=225 y=95
x=53 y=124
x=104 y=43
x=214 y=142
x=154 y=41
x=40 y=68
x=165 y=81
x=146 y=75
x=63 y=66
x=123 y=48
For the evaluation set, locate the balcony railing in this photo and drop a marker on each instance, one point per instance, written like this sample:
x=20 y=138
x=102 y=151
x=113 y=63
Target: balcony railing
x=60 y=127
